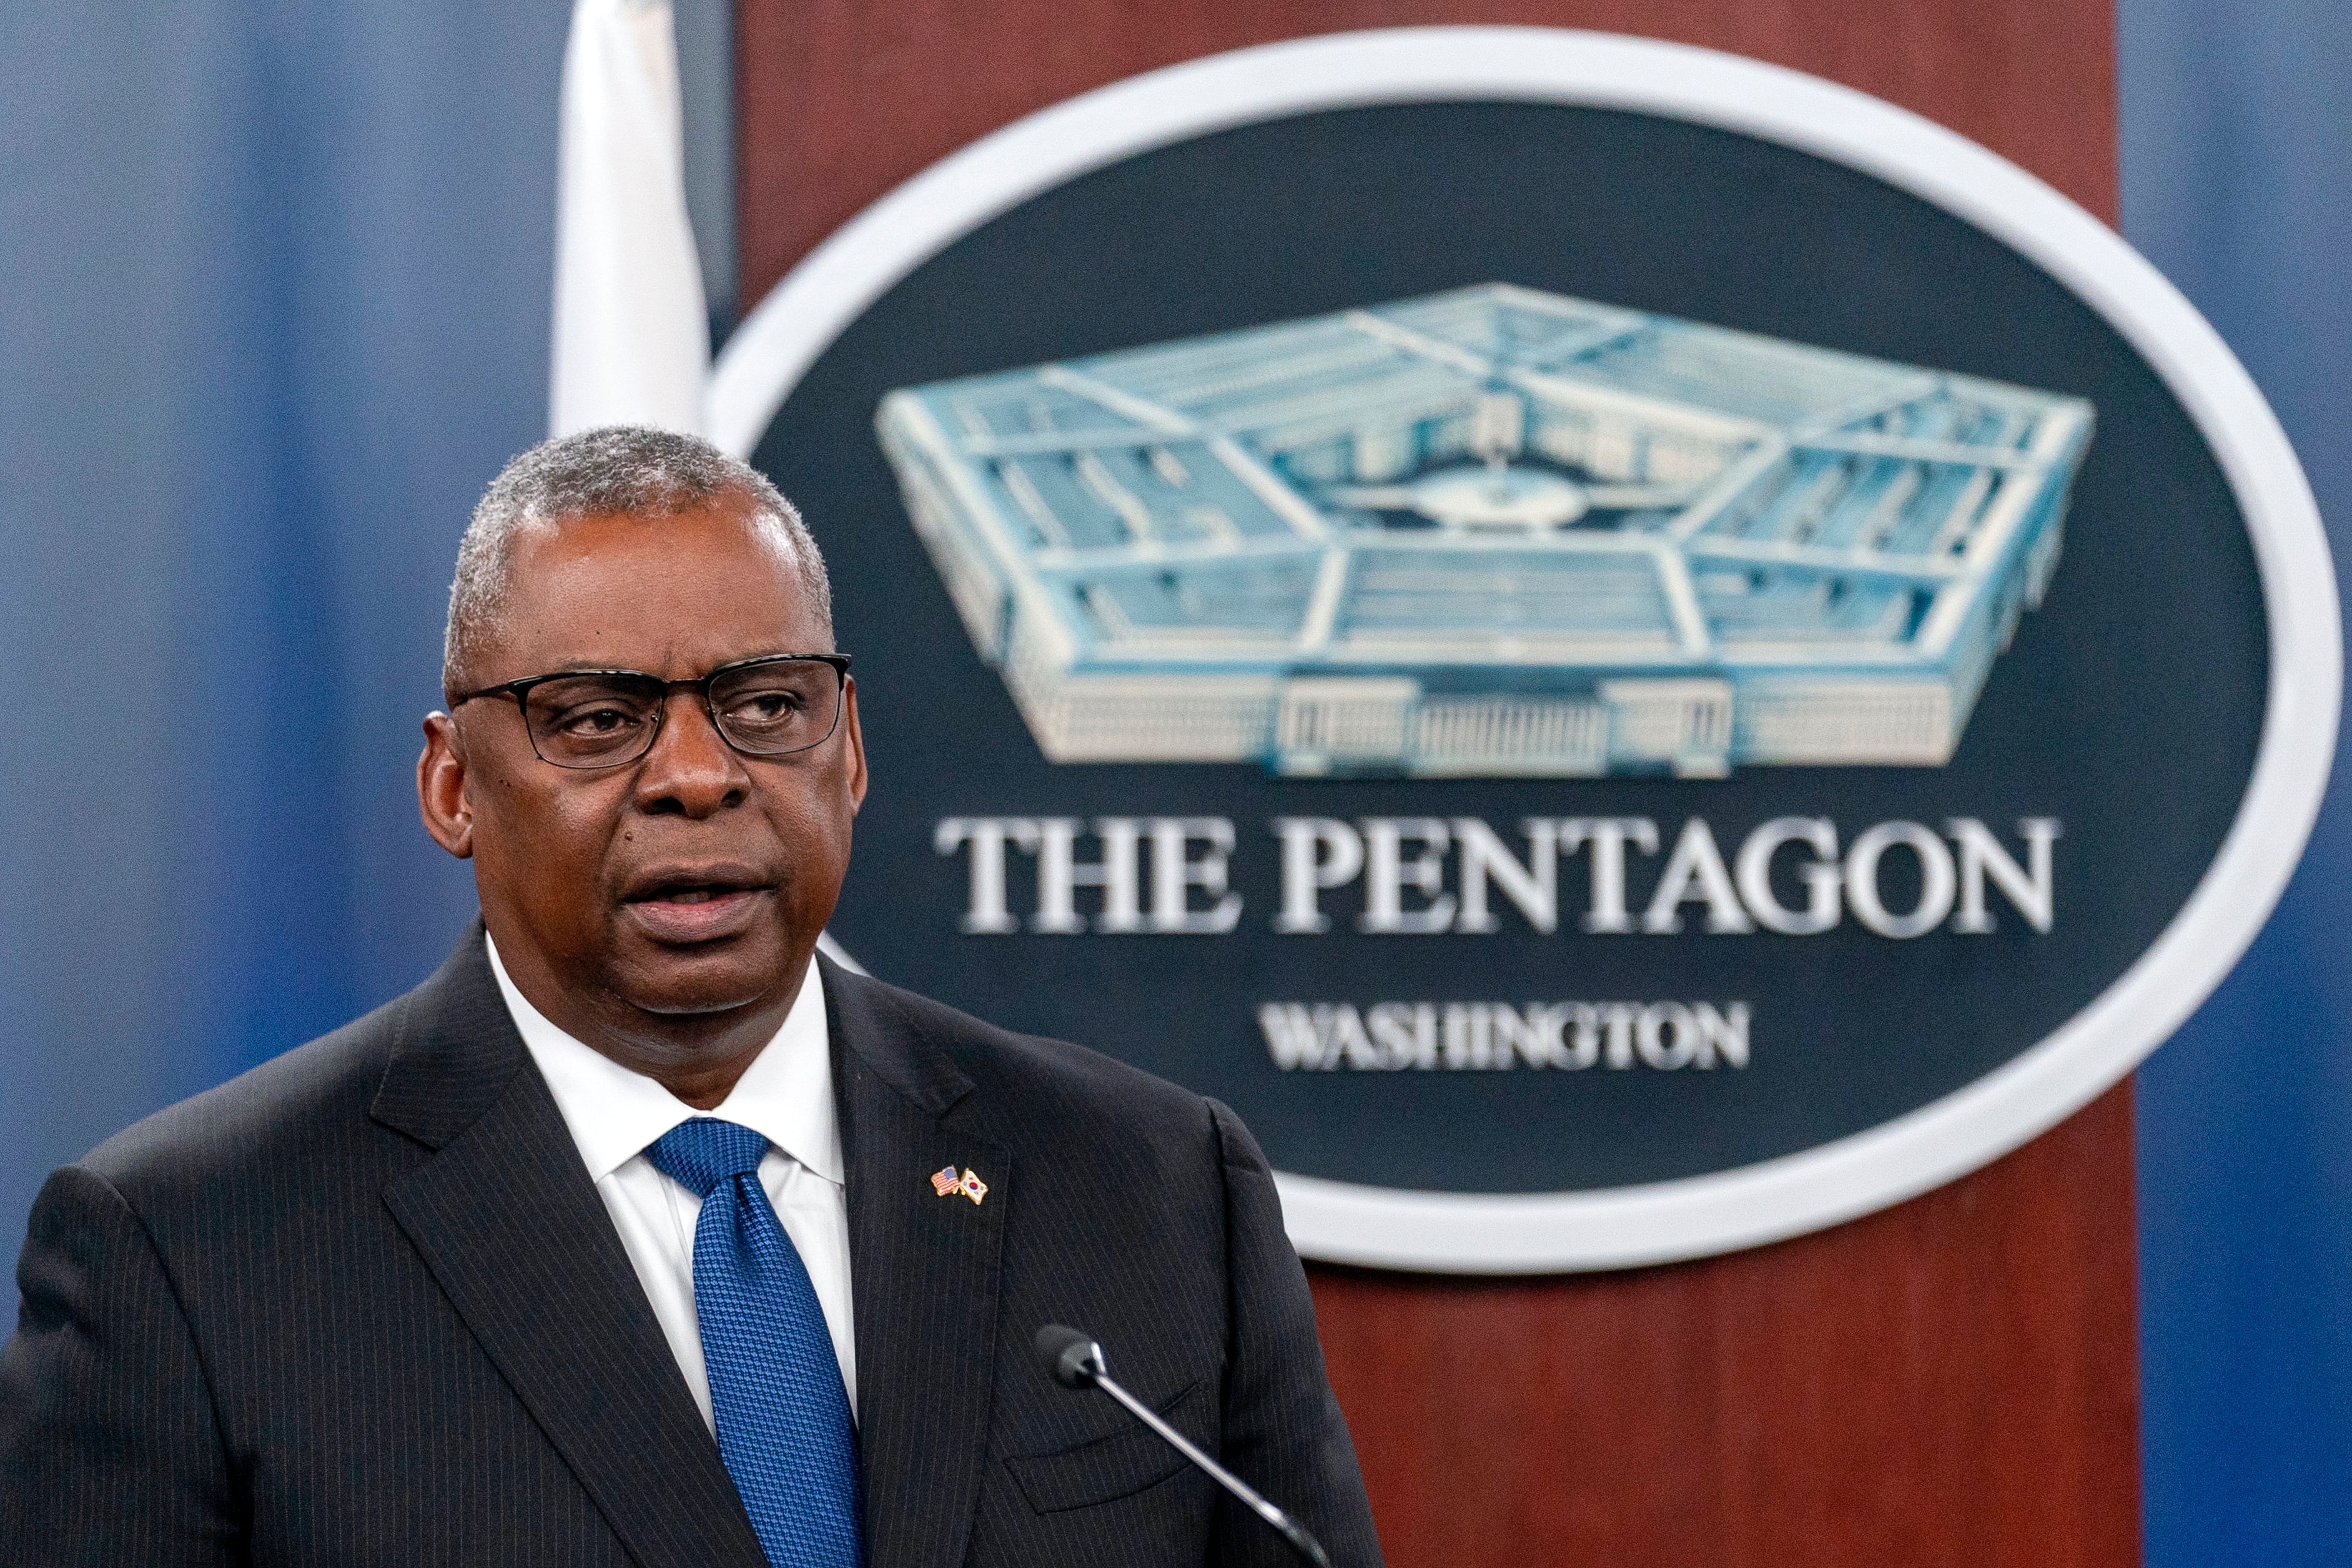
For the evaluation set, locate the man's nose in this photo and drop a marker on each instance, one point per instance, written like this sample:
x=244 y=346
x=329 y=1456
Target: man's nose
x=691 y=770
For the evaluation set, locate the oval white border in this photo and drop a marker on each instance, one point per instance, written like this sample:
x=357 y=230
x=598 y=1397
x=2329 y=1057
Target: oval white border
x=1694 y=1217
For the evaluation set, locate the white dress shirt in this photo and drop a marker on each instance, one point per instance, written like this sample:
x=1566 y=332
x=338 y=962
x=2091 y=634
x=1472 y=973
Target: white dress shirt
x=785 y=1096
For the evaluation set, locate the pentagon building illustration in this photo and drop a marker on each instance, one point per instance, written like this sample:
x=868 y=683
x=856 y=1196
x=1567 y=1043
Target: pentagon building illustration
x=1491 y=531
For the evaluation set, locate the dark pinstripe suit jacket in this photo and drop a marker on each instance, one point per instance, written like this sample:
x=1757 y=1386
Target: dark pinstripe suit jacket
x=362 y=1306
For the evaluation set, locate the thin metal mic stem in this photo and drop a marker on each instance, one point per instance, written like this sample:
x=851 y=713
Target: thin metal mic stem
x=1292 y=1531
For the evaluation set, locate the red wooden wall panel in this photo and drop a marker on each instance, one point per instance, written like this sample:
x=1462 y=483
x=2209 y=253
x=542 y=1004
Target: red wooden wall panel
x=841 y=100
x=1949 y=1382
x=1953 y=1381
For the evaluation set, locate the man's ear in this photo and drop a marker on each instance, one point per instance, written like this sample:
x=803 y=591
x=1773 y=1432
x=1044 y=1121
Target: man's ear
x=441 y=787
x=856 y=744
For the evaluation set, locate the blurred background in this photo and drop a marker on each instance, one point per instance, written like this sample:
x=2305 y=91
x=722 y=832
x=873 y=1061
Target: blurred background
x=274 y=307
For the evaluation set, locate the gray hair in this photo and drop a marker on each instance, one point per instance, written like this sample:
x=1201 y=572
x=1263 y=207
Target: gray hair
x=618 y=469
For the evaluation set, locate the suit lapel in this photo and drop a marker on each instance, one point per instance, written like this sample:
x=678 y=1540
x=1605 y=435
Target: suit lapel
x=924 y=1276
x=506 y=1218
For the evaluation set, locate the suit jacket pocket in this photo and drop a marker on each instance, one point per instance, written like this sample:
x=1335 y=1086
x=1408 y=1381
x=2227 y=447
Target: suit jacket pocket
x=1107 y=1468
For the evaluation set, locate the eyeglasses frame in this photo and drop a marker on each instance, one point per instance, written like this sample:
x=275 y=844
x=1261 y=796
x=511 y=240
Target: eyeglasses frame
x=521 y=691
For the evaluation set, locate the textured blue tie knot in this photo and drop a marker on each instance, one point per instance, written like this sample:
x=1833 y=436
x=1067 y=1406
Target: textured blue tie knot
x=701 y=1154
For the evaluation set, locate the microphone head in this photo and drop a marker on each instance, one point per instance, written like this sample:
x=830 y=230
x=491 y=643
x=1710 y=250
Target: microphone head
x=1068 y=1356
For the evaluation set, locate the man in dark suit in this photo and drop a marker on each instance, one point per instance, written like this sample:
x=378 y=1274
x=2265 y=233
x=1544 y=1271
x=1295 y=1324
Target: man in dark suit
x=639 y=1233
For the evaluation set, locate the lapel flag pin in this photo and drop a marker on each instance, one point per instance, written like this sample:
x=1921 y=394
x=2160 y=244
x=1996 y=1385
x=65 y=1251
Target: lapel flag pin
x=947 y=1184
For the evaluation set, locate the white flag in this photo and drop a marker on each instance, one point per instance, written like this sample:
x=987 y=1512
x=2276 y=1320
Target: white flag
x=632 y=339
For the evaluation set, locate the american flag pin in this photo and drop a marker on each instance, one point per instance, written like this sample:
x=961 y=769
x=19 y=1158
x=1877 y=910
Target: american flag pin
x=947 y=1183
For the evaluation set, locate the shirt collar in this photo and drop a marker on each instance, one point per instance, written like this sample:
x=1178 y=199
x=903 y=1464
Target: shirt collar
x=785 y=1096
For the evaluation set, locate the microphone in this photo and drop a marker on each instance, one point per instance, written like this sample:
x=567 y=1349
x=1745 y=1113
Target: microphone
x=1074 y=1361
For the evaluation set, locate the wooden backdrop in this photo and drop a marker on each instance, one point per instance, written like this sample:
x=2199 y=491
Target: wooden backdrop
x=1951 y=1381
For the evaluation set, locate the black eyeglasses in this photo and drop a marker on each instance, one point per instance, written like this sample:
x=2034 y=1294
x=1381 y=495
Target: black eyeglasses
x=770 y=706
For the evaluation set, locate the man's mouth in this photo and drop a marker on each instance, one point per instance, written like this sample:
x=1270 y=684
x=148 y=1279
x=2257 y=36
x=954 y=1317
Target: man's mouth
x=696 y=905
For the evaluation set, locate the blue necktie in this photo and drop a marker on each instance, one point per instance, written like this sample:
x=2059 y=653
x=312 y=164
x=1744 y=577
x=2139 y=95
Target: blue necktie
x=775 y=1388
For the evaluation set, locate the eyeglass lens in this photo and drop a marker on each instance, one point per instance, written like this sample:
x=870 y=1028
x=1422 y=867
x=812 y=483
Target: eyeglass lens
x=601 y=720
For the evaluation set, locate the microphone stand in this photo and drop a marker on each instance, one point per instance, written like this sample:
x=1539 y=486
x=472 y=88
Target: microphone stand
x=1077 y=1362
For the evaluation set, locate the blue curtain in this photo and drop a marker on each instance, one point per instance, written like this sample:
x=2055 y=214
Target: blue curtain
x=2237 y=141
x=275 y=310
